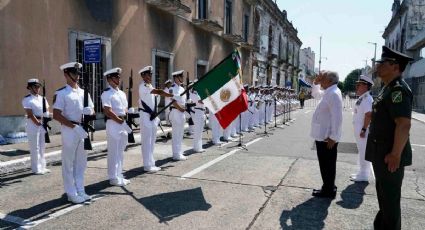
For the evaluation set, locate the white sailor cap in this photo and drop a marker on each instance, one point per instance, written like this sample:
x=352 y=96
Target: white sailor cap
x=177 y=73
x=365 y=79
x=69 y=65
x=167 y=81
x=116 y=70
x=146 y=69
x=33 y=81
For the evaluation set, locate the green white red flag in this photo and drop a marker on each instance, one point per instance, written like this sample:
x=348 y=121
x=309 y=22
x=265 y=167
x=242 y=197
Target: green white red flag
x=221 y=90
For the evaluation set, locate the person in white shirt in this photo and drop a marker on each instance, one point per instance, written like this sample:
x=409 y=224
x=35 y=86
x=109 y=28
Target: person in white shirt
x=114 y=102
x=148 y=103
x=198 y=120
x=33 y=105
x=362 y=116
x=68 y=110
x=167 y=101
x=326 y=129
x=177 y=115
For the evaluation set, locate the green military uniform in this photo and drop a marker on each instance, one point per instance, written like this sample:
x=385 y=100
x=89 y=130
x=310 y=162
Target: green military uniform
x=394 y=101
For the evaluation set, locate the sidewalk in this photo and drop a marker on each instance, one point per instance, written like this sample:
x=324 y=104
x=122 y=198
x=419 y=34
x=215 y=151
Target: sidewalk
x=16 y=157
x=418 y=116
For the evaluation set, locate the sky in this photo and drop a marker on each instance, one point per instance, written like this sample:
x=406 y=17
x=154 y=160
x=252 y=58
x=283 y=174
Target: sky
x=346 y=27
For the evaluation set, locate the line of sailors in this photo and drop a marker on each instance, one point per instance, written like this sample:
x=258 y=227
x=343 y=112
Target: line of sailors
x=68 y=110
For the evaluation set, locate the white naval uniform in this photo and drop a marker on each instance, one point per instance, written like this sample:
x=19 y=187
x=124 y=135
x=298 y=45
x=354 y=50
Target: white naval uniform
x=216 y=130
x=74 y=157
x=167 y=101
x=117 y=137
x=363 y=105
x=177 y=120
x=199 y=120
x=35 y=133
x=147 y=127
x=261 y=111
x=252 y=111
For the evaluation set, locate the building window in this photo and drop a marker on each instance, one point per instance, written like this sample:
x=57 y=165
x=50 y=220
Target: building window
x=163 y=66
x=280 y=48
x=95 y=75
x=246 y=27
x=270 y=39
x=228 y=16
x=202 y=9
x=97 y=81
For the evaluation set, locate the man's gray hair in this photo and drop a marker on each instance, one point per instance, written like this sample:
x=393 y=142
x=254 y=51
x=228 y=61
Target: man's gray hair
x=332 y=76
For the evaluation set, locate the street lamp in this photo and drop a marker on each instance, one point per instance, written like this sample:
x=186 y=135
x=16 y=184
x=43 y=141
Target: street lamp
x=374 y=59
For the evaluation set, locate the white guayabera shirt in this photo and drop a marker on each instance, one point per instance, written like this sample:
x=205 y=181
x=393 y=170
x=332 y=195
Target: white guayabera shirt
x=327 y=118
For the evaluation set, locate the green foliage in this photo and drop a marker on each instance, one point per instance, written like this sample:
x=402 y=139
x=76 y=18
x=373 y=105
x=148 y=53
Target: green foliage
x=341 y=86
x=350 y=80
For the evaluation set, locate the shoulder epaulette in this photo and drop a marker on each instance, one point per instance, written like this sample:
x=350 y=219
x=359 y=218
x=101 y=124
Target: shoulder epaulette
x=107 y=89
x=61 y=88
x=28 y=95
x=397 y=84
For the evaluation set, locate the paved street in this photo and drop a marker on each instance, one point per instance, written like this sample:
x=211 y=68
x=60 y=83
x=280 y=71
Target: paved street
x=267 y=186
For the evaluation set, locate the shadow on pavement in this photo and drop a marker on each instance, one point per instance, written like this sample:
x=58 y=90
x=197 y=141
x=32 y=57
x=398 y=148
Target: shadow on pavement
x=308 y=215
x=352 y=195
x=170 y=205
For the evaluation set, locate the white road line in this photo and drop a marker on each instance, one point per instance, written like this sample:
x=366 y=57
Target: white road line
x=13 y=219
x=218 y=159
x=27 y=224
x=417 y=145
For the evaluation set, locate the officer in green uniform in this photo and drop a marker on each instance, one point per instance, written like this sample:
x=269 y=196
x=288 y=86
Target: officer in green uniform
x=388 y=146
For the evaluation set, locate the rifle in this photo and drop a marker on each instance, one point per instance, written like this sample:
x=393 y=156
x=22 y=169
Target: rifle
x=131 y=116
x=45 y=119
x=189 y=105
x=87 y=118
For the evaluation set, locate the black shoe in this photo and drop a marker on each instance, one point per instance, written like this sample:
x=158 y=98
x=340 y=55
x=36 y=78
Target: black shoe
x=324 y=194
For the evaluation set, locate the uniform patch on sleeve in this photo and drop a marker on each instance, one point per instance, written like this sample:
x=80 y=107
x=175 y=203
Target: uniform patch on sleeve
x=396 y=96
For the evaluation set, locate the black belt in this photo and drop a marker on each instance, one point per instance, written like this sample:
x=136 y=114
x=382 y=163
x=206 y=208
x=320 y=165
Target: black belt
x=75 y=123
x=202 y=109
x=122 y=117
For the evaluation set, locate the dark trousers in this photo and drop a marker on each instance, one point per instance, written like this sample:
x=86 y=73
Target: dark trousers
x=302 y=103
x=388 y=189
x=327 y=163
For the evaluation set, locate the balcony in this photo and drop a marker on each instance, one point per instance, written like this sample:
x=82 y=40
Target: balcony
x=247 y=45
x=252 y=2
x=172 y=6
x=208 y=25
x=235 y=38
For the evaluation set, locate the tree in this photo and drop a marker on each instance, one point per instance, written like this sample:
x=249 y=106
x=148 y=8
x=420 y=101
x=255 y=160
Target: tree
x=350 y=80
x=341 y=86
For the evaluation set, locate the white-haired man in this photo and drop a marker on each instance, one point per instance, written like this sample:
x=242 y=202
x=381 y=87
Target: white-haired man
x=326 y=129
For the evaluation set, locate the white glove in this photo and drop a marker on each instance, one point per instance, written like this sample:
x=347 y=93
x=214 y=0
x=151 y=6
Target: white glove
x=126 y=128
x=80 y=132
x=132 y=110
x=88 y=111
x=46 y=114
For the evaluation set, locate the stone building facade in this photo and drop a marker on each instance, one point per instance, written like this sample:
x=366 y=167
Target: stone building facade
x=307 y=60
x=276 y=47
x=406 y=33
x=36 y=37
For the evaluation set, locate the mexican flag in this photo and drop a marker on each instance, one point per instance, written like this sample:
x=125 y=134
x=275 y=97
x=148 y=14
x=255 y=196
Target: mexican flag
x=221 y=90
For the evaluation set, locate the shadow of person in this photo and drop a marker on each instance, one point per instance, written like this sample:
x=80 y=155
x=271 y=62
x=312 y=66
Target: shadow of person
x=170 y=205
x=352 y=195
x=308 y=215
